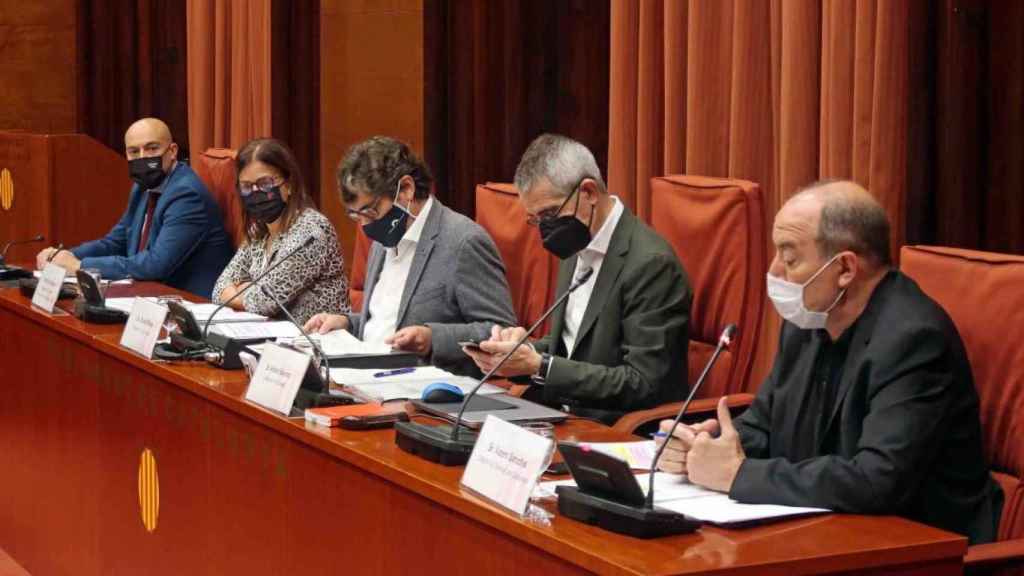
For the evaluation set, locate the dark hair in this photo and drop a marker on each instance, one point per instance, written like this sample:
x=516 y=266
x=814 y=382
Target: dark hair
x=374 y=166
x=851 y=222
x=276 y=154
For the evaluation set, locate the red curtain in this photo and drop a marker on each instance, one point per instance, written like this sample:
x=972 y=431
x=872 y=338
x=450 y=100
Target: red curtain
x=229 y=82
x=781 y=92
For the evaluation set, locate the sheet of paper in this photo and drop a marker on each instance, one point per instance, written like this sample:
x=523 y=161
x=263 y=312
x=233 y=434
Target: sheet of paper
x=71 y=279
x=341 y=342
x=402 y=386
x=122 y=304
x=203 y=311
x=674 y=492
x=637 y=454
x=251 y=330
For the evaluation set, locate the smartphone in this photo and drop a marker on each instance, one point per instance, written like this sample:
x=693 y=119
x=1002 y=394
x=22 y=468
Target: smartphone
x=471 y=345
x=371 y=422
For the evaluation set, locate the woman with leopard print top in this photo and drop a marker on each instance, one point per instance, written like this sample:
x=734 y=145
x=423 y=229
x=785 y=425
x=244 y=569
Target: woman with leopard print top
x=279 y=218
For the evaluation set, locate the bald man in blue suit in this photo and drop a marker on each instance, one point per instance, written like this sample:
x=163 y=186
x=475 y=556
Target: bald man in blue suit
x=172 y=231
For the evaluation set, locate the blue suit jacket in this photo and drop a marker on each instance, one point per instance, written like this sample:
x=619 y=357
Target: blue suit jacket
x=188 y=246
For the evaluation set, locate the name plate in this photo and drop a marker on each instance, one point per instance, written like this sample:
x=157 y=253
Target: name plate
x=506 y=464
x=143 y=326
x=277 y=378
x=48 y=287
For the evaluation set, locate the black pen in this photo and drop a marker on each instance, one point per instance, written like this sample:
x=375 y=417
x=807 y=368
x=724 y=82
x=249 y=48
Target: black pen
x=55 y=252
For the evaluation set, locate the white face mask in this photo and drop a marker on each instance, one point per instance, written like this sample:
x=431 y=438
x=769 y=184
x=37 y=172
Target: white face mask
x=788 y=298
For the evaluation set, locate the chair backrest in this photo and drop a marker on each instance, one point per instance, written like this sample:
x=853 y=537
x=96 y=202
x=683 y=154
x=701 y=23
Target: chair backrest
x=531 y=270
x=357 y=278
x=983 y=293
x=716 y=226
x=216 y=168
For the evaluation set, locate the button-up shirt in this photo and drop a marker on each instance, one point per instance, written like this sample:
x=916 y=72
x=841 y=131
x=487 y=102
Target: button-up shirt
x=387 y=293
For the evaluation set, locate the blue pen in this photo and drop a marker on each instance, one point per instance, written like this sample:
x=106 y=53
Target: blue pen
x=396 y=372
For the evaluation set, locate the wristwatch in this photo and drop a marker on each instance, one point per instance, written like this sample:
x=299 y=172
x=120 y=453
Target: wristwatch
x=542 y=374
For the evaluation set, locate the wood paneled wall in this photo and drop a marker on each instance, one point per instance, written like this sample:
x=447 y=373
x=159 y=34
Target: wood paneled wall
x=371 y=82
x=39 y=66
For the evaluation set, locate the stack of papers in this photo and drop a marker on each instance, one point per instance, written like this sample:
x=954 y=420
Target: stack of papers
x=674 y=492
x=342 y=342
x=256 y=330
x=72 y=279
x=201 y=312
x=408 y=384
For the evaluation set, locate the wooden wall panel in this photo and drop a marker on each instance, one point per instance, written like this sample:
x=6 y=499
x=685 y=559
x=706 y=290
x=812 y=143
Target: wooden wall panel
x=371 y=82
x=38 y=63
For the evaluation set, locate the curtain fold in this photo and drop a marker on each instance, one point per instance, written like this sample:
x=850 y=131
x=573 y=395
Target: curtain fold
x=229 y=81
x=781 y=92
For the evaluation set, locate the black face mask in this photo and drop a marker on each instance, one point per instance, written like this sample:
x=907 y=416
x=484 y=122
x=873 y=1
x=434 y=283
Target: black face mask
x=148 y=173
x=388 y=229
x=564 y=236
x=264 y=207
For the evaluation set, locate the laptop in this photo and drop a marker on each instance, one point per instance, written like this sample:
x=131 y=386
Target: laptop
x=509 y=408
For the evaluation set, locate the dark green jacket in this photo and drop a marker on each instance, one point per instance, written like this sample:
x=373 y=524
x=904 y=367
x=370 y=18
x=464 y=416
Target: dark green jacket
x=630 y=352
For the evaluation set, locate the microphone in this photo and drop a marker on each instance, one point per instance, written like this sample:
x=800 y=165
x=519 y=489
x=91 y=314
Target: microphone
x=614 y=509
x=723 y=342
x=322 y=371
x=7 y=246
x=435 y=443
x=256 y=280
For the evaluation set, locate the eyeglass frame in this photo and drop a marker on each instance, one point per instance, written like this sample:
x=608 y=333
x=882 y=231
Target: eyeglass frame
x=547 y=214
x=265 y=184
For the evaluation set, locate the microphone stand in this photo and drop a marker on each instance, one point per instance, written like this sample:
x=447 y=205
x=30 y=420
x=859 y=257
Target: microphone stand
x=436 y=443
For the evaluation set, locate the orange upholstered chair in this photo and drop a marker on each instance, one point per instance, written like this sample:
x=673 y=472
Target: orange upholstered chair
x=716 y=226
x=357 y=279
x=531 y=270
x=216 y=168
x=983 y=293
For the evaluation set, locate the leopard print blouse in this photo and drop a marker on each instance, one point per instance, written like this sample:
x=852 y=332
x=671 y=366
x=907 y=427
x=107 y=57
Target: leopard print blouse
x=311 y=281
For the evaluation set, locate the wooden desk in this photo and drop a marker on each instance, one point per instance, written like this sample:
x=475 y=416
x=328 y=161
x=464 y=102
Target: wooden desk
x=244 y=491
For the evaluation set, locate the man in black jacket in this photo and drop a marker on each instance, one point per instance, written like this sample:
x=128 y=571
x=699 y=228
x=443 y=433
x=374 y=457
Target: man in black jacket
x=870 y=406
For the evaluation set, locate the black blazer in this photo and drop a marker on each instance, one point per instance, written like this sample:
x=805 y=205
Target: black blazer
x=630 y=352
x=904 y=436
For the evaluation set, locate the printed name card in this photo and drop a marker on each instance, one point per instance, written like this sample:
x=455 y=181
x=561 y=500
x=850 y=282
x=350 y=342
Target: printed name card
x=48 y=287
x=506 y=463
x=277 y=378
x=143 y=326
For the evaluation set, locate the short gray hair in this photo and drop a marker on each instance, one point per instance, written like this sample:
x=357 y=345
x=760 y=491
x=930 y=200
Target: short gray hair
x=851 y=219
x=563 y=161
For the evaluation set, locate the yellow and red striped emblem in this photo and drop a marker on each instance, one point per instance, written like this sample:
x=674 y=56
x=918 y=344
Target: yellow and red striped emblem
x=149 y=490
x=6 y=189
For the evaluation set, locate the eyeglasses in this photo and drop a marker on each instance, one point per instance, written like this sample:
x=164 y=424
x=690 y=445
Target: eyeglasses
x=267 y=184
x=549 y=213
x=367 y=212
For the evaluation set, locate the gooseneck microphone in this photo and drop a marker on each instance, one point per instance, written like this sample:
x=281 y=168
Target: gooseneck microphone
x=321 y=360
x=723 y=342
x=436 y=443
x=256 y=280
x=7 y=246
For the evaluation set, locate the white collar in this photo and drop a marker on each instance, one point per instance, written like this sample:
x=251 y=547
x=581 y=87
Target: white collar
x=599 y=243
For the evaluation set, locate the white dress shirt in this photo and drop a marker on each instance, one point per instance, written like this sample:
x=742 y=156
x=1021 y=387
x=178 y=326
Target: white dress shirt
x=592 y=256
x=387 y=293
